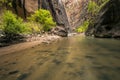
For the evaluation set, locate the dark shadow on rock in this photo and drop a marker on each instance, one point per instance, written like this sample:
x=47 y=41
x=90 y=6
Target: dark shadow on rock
x=104 y=76
x=89 y=57
x=57 y=62
x=12 y=39
x=107 y=23
x=60 y=31
x=23 y=76
x=13 y=72
x=71 y=65
x=43 y=51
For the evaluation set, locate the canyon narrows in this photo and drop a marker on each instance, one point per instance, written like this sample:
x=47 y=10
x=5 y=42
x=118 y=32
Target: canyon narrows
x=59 y=39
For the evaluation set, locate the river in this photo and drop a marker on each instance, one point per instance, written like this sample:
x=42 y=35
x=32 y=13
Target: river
x=72 y=58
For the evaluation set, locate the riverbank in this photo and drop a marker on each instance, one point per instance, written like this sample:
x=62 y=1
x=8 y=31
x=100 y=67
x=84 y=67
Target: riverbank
x=32 y=41
x=29 y=43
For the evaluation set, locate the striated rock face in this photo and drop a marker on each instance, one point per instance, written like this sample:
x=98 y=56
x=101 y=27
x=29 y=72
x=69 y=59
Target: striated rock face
x=107 y=24
x=76 y=12
x=67 y=13
x=26 y=7
x=58 y=12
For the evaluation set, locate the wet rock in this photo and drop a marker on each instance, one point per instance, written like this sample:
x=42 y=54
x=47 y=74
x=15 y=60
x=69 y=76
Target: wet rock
x=22 y=76
x=104 y=76
x=57 y=61
x=14 y=63
x=60 y=31
x=117 y=68
x=13 y=72
x=41 y=63
x=90 y=57
x=1 y=69
x=71 y=65
x=1 y=33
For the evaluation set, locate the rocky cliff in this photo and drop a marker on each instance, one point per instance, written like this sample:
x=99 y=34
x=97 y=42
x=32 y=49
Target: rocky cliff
x=107 y=24
x=26 y=7
x=67 y=13
x=76 y=11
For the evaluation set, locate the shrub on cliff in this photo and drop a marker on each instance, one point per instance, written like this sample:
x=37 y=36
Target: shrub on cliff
x=83 y=27
x=13 y=25
x=94 y=7
x=44 y=18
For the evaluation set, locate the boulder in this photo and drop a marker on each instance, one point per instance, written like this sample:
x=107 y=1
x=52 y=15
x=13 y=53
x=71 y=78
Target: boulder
x=60 y=31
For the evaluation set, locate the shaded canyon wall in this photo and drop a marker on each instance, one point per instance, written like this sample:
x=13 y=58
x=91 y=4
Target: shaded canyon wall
x=67 y=13
x=107 y=24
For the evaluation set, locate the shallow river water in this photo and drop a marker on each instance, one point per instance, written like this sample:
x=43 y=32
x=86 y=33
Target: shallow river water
x=73 y=58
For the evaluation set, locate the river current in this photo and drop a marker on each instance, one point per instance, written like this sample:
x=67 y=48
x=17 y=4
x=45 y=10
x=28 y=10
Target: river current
x=72 y=58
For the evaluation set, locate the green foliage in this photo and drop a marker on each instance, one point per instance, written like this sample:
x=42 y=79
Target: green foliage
x=83 y=27
x=103 y=3
x=44 y=18
x=34 y=27
x=92 y=7
x=7 y=2
x=11 y=24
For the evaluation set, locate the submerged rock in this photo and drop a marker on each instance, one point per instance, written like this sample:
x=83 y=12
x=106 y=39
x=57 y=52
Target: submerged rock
x=13 y=72
x=23 y=76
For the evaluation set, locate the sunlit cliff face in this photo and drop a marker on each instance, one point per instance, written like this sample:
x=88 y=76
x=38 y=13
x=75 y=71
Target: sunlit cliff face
x=68 y=13
x=31 y=5
x=74 y=9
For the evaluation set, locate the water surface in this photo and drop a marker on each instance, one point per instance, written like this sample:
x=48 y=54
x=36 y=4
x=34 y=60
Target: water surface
x=73 y=58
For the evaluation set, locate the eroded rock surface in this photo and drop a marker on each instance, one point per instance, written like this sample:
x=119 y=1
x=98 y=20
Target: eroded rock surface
x=107 y=24
x=67 y=13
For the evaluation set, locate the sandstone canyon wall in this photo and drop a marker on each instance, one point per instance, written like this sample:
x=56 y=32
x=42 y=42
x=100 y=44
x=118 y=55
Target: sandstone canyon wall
x=76 y=12
x=67 y=13
x=70 y=14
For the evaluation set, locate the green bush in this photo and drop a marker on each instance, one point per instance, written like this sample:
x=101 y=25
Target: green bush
x=34 y=27
x=12 y=25
x=44 y=18
x=83 y=27
x=7 y=2
x=92 y=7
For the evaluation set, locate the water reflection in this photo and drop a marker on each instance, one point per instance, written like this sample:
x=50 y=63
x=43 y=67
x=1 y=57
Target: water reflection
x=73 y=58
